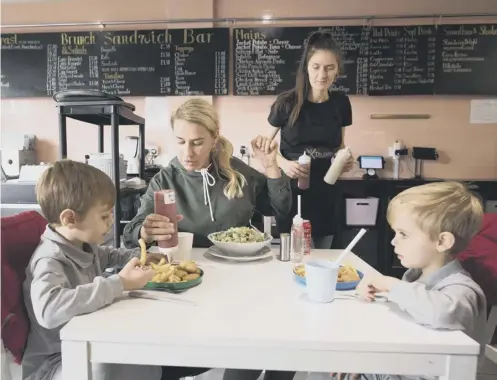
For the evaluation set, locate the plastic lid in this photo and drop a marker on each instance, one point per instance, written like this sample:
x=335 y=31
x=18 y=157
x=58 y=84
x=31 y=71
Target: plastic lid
x=297 y=219
x=304 y=159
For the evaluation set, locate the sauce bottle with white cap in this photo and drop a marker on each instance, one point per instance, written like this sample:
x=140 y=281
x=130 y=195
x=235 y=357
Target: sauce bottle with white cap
x=304 y=163
x=297 y=236
x=336 y=168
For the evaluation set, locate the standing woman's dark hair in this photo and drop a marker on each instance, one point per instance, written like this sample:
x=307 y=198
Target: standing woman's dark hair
x=294 y=98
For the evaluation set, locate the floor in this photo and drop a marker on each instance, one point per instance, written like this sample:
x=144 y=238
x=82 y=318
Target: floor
x=487 y=372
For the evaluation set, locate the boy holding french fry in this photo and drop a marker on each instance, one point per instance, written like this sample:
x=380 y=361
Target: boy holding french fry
x=64 y=276
x=433 y=223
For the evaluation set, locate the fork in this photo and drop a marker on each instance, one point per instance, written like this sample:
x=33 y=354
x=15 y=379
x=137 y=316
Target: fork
x=256 y=229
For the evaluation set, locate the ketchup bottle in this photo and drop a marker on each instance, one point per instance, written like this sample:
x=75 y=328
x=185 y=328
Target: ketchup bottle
x=165 y=204
x=305 y=163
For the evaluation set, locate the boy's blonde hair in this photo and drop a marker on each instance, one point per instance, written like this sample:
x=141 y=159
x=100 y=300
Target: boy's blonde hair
x=442 y=207
x=73 y=185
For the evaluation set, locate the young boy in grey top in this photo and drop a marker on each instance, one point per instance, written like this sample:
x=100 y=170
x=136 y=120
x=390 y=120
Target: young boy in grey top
x=63 y=278
x=432 y=224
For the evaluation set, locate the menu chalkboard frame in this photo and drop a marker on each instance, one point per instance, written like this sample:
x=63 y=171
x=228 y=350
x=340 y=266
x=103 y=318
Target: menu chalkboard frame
x=30 y=77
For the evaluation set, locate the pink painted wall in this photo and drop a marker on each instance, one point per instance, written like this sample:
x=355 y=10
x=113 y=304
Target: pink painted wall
x=468 y=151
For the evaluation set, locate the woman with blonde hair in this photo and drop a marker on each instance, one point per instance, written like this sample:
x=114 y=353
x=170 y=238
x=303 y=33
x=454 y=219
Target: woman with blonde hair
x=214 y=191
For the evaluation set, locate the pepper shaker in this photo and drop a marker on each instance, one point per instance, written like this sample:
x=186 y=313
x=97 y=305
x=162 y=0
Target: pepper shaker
x=285 y=244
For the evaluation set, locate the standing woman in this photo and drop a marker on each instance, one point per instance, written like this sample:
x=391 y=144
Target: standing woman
x=312 y=120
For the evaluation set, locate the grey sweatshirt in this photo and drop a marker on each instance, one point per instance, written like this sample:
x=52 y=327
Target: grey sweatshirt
x=448 y=299
x=203 y=215
x=63 y=281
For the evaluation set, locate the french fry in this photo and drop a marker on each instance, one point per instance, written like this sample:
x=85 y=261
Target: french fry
x=143 y=255
x=161 y=268
x=169 y=273
x=157 y=278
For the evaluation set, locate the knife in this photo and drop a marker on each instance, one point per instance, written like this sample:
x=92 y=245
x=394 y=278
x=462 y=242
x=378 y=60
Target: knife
x=157 y=297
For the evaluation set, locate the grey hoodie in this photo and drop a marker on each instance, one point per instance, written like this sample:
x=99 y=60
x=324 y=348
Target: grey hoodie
x=447 y=299
x=204 y=213
x=63 y=281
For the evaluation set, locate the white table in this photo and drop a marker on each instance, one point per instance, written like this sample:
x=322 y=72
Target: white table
x=256 y=316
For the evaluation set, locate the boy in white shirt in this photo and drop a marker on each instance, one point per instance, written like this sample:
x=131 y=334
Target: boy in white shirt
x=432 y=224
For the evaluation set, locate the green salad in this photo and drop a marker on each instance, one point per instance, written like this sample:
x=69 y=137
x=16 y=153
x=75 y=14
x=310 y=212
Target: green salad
x=239 y=235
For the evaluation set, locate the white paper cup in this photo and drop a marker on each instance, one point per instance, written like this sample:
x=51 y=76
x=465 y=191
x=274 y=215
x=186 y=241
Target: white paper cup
x=321 y=280
x=185 y=245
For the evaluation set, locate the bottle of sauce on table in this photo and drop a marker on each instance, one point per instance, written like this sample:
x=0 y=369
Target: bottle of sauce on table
x=336 y=168
x=165 y=204
x=297 y=236
x=304 y=163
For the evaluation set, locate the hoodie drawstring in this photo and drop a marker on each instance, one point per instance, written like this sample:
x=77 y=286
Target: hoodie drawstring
x=207 y=180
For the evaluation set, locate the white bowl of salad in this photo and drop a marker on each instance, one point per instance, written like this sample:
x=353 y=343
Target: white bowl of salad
x=240 y=241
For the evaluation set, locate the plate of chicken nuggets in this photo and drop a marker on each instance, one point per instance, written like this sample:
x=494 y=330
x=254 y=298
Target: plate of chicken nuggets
x=172 y=276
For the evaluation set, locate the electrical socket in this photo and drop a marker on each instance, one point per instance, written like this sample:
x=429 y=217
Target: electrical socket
x=152 y=149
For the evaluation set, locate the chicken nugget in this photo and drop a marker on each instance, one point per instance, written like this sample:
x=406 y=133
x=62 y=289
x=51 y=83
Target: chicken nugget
x=191 y=277
x=180 y=273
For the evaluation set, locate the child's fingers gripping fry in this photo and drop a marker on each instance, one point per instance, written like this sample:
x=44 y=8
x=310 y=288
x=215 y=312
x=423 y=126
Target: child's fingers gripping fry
x=143 y=255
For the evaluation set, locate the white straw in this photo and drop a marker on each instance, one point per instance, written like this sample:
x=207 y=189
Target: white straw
x=298 y=206
x=351 y=245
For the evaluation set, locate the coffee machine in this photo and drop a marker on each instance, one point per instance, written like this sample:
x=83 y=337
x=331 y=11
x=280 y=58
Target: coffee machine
x=131 y=153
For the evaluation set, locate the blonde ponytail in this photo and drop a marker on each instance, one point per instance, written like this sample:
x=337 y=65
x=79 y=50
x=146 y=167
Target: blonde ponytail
x=201 y=112
x=222 y=156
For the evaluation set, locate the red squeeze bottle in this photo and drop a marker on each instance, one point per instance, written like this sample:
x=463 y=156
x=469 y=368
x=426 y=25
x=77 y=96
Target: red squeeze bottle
x=165 y=204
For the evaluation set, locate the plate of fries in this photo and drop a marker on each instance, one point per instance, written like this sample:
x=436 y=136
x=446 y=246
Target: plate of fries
x=172 y=276
x=348 y=276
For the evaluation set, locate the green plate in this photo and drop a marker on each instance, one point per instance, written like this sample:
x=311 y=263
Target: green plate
x=175 y=285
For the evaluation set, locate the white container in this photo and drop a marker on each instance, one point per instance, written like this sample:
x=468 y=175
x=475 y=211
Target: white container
x=337 y=165
x=321 y=280
x=361 y=211
x=185 y=245
x=103 y=161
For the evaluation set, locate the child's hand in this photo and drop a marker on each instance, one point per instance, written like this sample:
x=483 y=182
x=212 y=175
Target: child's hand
x=365 y=290
x=370 y=285
x=382 y=283
x=135 y=277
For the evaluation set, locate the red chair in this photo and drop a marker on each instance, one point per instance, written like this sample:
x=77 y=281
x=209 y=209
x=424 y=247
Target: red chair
x=20 y=235
x=480 y=260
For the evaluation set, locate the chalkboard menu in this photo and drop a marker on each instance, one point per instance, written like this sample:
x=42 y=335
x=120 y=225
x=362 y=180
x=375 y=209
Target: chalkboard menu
x=466 y=59
x=266 y=59
x=354 y=46
x=402 y=60
x=133 y=63
x=389 y=60
x=29 y=65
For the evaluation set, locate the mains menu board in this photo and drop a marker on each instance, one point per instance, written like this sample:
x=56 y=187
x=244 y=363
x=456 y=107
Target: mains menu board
x=122 y=63
x=266 y=59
